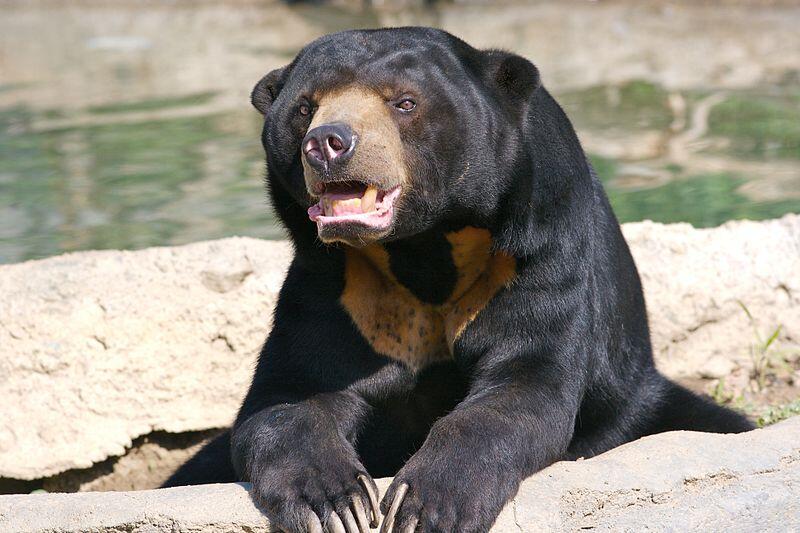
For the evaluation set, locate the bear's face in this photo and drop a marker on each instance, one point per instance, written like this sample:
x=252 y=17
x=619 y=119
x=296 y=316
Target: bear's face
x=354 y=163
x=383 y=134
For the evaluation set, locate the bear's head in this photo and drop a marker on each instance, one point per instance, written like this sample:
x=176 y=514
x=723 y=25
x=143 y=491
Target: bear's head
x=383 y=134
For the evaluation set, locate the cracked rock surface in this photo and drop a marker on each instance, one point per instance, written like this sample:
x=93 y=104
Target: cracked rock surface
x=99 y=348
x=679 y=481
x=696 y=281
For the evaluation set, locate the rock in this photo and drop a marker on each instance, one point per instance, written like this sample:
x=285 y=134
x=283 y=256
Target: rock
x=99 y=348
x=697 y=283
x=679 y=481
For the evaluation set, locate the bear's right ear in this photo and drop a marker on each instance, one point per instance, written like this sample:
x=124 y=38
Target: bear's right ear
x=266 y=90
x=513 y=74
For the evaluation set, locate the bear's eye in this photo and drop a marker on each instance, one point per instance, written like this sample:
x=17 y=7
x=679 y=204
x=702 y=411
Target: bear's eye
x=305 y=110
x=406 y=104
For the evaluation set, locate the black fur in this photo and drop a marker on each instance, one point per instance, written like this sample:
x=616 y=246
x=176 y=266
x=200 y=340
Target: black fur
x=556 y=366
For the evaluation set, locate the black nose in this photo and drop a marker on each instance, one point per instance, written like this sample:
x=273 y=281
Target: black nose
x=328 y=145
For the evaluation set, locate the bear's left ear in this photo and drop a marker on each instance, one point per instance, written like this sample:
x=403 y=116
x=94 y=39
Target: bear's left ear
x=266 y=90
x=514 y=75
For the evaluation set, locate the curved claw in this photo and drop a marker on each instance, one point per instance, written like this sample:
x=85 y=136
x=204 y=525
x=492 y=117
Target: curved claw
x=388 y=521
x=335 y=524
x=349 y=521
x=313 y=525
x=373 y=499
x=411 y=526
x=360 y=514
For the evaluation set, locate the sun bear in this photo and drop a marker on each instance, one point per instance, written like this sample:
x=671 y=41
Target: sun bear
x=461 y=310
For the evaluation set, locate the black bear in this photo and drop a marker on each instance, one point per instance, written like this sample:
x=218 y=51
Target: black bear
x=462 y=309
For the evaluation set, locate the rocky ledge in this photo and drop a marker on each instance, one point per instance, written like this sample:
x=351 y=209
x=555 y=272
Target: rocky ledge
x=679 y=481
x=100 y=348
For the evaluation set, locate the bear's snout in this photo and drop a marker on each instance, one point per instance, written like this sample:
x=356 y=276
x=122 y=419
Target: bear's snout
x=328 y=146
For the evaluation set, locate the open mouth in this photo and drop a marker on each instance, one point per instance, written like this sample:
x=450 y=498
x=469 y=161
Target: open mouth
x=355 y=202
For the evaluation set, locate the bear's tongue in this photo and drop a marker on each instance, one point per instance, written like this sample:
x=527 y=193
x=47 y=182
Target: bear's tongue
x=336 y=204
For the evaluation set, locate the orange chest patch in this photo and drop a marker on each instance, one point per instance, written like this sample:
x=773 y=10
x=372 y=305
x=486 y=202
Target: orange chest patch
x=397 y=324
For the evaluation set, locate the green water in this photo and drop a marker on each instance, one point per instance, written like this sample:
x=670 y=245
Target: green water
x=129 y=185
x=752 y=138
x=184 y=179
x=117 y=171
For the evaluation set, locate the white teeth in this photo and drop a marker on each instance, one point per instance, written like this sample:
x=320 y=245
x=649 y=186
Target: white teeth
x=366 y=203
x=368 y=200
x=350 y=205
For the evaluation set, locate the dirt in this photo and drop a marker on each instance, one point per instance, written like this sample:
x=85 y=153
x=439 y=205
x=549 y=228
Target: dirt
x=145 y=465
x=776 y=389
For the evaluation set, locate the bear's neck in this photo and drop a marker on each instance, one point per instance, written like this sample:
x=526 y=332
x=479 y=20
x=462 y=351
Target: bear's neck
x=412 y=300
x=435 y=266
